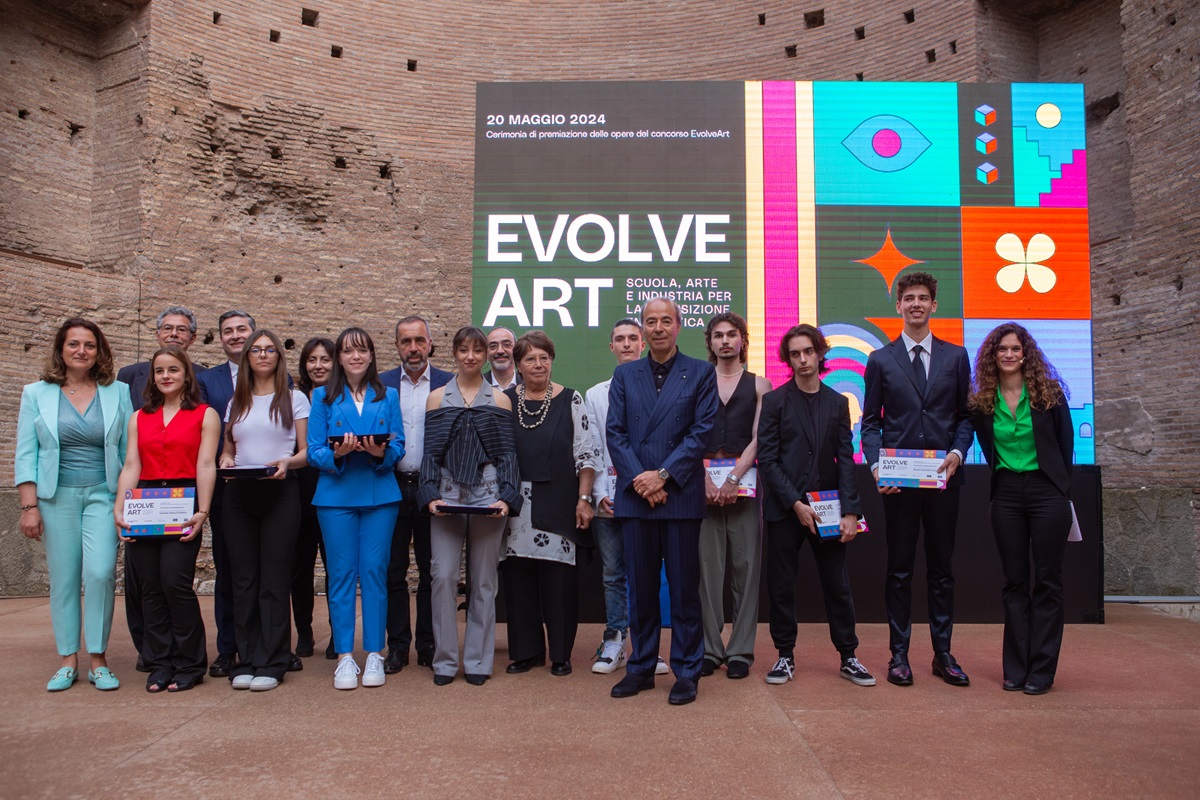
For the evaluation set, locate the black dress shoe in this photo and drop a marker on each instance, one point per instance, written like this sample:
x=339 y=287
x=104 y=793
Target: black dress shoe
x=737 y=669
x=294 y=663
x=525 y=664
x=632 y=684
x=221 y=666
x=425 y=658
x=304 y=646
x=475 y=680
x=707 y=667
x=561 y=668
x=395 y=661
x=899 y=672
x=1036 y=688
x=1013 y=686
x=683 y=692
x=442 y=680
x=142 y=666
x=330 y=653
x=946 y=668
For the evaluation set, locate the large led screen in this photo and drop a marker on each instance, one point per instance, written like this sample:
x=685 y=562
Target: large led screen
x=785 y=202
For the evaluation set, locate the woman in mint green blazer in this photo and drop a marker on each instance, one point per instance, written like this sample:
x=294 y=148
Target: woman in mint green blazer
x=71 y=437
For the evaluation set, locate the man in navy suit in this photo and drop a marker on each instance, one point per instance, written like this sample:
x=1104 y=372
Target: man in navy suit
x=175 y=325
x=414 y=379
x=660 y=414
x=916 y=398
x=216 y=389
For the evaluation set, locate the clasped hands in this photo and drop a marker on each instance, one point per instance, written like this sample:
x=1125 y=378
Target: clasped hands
x=949 y=466
x=651 y=487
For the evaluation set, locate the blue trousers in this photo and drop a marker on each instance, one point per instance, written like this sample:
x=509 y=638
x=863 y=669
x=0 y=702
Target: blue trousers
x=358 y=547
x=81 y=548
x=607 y=533
x=649 y=544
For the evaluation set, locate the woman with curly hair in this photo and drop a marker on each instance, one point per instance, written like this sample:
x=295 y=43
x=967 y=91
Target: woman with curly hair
x=1019 y=407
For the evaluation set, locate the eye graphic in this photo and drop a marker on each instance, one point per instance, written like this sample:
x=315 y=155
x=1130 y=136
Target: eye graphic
x=1025 y=263
x=886 y=143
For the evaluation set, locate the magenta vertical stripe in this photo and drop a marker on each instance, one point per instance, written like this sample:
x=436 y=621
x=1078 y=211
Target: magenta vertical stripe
x=780 y=281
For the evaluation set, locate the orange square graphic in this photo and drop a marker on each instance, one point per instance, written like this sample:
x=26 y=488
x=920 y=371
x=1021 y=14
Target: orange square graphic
x=950 y=330
x=1025 y=263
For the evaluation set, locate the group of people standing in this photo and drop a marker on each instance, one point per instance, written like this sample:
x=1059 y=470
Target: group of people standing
x=670 y=466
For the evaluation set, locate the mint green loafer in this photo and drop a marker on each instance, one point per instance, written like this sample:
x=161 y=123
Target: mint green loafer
x=63 y=679
x=104 y=679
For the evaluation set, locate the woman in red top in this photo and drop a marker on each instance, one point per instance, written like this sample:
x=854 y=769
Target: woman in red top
x=172 y=442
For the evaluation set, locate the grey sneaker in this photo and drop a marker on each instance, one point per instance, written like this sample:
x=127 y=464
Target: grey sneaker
x=853 y=671
x=783 y=671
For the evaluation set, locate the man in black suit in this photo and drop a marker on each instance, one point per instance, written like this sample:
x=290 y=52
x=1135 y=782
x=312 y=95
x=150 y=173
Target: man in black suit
x=414 y=379
x=660 y=414
x=175 y=325
x=216 y=389
x=805 y=444
x=916 y=398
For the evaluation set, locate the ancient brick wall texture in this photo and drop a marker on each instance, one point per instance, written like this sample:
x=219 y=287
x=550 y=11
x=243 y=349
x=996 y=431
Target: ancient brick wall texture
x=226 y=154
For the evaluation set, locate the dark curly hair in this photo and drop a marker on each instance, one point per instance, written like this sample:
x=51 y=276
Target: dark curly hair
x=736 y=321
x=1044 y=386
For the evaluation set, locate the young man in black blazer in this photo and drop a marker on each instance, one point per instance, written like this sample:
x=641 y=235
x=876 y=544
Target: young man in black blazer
x=805 y=444
x=916 y=398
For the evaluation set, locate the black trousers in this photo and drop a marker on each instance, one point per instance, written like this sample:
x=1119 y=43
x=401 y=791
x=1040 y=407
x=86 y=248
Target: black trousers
x=1030 y=514
x=906 y=513
x=173 y=642
x=262 y=522
x=304 y=571
x=540 y=593
x=133 y=605
x=784 y=540
x=223 y=583
x=412 y=526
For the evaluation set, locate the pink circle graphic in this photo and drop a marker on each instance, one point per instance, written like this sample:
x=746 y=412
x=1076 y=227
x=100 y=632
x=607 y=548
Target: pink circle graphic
x=886 y=142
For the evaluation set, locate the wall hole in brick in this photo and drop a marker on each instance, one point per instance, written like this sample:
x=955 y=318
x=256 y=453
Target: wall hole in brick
x=931 y=56
x=860 y=32
x=75 y=128
x=790 y=51
x=858 y=76
x=1171 y=21
x=22 y=114
x=385 y=170
x=1178 y=283
x=953 y=45
x=309 y=17
x=208 y=337
x=339 y=162
x=216 y=18
x=214 y=147
x=814 y=19
x=762 y=19
x=910 y=16
x=1098 y=110
x=276 y=152
x=273 y=36
x=137 y=118
x=1116 y=299
x=335 y=51
x=278 y=279
x=412 y=65
x=289 y=344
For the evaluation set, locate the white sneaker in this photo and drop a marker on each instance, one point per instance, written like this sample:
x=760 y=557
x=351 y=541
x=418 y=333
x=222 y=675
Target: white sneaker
x=262 y=683
x=661 y=668
x=346 y=674
x=242 y=681
x=373 y=674
x=611 y=655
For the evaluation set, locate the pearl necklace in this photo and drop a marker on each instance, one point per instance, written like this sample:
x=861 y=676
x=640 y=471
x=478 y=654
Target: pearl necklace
x=523 y=411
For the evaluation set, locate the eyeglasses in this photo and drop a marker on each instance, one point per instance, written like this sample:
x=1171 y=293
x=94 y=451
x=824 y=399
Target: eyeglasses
x=175 y=328
x=262 y=351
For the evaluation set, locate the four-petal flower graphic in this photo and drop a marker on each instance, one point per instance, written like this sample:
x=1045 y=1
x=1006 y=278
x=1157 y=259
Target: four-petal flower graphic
x=1025 y=262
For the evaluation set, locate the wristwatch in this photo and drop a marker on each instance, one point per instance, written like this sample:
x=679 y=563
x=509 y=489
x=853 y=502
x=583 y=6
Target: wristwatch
x=733 y=480
x=662 y=473
x=585 y=498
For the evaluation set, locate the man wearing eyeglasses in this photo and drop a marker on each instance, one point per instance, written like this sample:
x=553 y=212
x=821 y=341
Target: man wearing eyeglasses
x=175 y=325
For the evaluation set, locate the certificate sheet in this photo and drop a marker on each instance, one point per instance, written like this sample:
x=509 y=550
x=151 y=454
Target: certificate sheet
x=159 y=511
x=914 y=469
x=828 y=508
x=719 y=469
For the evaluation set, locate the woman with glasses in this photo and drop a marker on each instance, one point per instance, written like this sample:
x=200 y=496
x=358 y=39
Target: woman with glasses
x=265 y=426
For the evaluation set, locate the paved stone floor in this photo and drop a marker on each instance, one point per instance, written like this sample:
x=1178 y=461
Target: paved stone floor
x=1122 y=721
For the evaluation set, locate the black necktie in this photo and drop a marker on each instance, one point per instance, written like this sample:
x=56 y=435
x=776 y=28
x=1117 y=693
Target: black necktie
x=919 y=369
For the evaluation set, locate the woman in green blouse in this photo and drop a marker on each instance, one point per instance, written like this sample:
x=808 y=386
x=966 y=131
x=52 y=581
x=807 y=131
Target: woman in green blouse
x=1019 y=408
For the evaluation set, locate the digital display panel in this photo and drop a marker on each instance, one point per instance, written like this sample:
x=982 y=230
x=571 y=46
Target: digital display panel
x=785 y=202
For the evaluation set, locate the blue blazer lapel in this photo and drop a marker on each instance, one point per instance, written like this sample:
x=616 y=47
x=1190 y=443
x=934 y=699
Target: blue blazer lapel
x=48 y=407
x=900 y=353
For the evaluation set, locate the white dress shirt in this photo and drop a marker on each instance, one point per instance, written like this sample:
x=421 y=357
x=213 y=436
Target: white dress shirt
x=413 y=396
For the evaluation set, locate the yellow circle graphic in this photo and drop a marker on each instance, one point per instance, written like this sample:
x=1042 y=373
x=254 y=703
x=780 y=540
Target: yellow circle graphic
x=1048 y=115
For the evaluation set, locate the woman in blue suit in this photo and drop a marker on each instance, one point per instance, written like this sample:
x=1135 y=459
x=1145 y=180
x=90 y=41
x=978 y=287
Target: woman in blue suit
x=357 y=497
x=71 y=439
